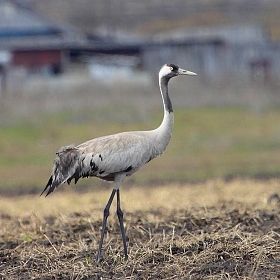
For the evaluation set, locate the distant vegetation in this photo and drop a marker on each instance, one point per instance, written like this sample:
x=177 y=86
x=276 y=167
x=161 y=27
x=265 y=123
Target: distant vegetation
x=208 y=142
x=149 y=17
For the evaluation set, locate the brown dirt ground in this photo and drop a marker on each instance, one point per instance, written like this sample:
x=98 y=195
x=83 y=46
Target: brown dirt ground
x=234 y=238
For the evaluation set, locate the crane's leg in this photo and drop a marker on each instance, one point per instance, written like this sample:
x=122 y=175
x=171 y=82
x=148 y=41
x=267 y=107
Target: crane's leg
x=103 y=230
x=120 y=216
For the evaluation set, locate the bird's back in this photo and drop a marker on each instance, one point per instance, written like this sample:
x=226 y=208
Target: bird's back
x=122 y=152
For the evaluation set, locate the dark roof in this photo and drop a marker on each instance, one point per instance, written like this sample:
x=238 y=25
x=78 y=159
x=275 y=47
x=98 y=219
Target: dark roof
x=14 y=18
x=21 y=28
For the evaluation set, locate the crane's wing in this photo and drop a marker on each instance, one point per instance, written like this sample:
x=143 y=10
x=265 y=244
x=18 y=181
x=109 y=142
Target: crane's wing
x=103 y=157
x=67 y=160
x=123 y=152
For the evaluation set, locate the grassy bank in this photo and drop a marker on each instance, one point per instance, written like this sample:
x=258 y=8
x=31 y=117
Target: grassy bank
x=207 y=142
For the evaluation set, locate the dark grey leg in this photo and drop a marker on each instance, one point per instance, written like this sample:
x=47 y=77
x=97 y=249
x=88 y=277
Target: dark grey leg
x=120 y=216
x=105 y=216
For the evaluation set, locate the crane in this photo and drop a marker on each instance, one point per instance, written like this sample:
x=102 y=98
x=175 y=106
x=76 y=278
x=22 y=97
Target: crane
x=114 y=157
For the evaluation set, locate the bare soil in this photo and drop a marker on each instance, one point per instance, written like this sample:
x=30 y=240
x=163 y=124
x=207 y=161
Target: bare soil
x=227 y=238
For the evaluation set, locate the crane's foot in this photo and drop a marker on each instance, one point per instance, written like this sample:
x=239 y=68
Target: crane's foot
x=99 y=258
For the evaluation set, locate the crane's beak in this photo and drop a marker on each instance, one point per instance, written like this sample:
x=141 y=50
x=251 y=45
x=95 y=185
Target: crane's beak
x=185 y=72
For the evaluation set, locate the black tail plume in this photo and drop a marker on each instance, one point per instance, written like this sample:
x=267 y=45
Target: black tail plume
x=66 y=164
x=49 y=185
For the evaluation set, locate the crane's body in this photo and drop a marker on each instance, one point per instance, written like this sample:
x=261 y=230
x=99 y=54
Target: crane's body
x=116 y=156
x=104 y=157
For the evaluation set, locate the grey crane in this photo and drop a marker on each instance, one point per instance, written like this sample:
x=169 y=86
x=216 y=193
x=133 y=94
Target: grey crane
x=116 y=156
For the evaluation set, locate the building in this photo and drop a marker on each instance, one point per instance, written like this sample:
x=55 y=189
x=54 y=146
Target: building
x=31 y=43
x=241 y=51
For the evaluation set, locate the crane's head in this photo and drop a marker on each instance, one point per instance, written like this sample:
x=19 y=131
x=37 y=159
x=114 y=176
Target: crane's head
x=171 y=70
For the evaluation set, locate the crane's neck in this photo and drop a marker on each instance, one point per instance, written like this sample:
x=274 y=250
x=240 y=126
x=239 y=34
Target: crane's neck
x=162 y=134
x=163 y=85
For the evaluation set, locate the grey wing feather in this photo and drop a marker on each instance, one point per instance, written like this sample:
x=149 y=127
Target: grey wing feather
x=67 y=165
x=123 y=152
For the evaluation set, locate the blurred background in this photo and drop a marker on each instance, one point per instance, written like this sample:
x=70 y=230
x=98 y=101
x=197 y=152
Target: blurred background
x=74 y=70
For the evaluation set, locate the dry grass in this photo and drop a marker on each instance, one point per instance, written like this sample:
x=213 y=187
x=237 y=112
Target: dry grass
x=211 y=230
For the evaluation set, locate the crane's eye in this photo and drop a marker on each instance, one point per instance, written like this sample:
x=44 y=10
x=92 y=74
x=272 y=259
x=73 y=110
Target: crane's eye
x=171 y=68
